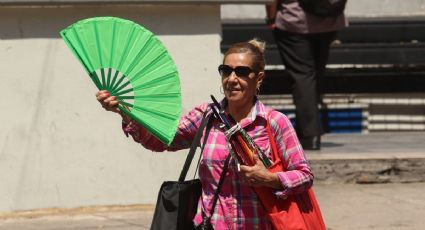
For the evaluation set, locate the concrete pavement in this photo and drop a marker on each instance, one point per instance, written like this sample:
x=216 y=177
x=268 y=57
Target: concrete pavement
x=384 y=157
x=392 y=206
x=354 y=175
x=377 y=206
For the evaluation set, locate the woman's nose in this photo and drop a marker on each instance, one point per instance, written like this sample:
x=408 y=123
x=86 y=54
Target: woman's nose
x=233 y=76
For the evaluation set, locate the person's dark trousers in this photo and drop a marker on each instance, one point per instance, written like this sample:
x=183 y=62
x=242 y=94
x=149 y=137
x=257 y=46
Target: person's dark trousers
x=305 y=57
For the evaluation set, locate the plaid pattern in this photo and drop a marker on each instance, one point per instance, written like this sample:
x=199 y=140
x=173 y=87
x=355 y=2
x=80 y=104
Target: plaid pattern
x=237 y=206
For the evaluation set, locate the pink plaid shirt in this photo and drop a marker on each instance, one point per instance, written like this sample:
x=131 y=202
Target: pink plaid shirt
x=237 y=206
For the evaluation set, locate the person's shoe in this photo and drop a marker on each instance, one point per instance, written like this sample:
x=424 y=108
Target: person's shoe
x=310 y=143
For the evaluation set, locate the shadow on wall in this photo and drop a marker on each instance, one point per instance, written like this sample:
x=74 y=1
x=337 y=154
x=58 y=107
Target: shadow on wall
x=46 y=22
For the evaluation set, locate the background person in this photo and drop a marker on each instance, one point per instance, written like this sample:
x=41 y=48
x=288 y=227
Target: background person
x=238 y=207
x=303 y=40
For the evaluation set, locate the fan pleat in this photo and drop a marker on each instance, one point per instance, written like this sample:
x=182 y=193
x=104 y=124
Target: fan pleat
x=124 y=92
x=79 y=49
x=125 y=52
x=149 y=67
x=102 y=73
x=143 y=118
x=118 y=84
x=126 y=104
x=139 y=58
x=108 y=79
x=111 y=54
x=125 y=84
x=125 y=97
x=114 y=79
x=146 y=83
x=89 y=44
x=154 y=112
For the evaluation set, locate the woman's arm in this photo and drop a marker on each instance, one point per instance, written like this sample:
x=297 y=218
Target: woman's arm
x=185 y=133
x=297 y=176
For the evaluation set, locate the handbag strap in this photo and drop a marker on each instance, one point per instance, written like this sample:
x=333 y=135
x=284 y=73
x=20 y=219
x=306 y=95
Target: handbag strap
x=206 y=117
x=220 y=183
x=207 y=133
x=206 y=219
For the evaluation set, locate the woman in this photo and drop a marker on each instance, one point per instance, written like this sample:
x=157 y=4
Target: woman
x=242 y=73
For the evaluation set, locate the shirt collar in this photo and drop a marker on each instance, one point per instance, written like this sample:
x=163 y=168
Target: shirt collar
x=258 y=110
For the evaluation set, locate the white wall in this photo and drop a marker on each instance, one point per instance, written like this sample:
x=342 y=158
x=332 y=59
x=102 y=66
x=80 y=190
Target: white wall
x=58 y=148
x=385 y=8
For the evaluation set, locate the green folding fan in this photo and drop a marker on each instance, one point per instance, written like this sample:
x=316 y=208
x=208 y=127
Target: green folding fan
x=133 y=65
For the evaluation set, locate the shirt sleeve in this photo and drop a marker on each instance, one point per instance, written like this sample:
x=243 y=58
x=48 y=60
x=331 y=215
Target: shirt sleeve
x=297 y=176
x=188 y=125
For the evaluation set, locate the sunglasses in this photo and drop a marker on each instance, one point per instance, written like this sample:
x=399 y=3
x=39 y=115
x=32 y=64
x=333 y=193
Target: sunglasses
x=240 y=71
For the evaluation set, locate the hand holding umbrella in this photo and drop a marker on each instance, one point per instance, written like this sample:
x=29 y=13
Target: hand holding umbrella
x=258 y=175
x=243 y=145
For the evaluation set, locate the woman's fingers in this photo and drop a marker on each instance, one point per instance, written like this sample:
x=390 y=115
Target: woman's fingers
x=256 y=175
x=110 y=103
x=251 y=181
x=102 y=95
x=246 y=175
x=107 y=101
x=114 y=103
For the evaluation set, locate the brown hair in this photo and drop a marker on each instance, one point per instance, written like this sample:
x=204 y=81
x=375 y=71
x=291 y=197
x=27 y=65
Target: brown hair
x=255 y=47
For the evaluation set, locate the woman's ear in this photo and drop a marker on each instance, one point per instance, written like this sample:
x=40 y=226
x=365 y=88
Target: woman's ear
x=260 y=78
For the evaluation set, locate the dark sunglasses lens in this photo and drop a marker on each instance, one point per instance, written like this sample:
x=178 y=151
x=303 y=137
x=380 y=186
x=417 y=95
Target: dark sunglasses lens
x=225 y=70
x=242 y=71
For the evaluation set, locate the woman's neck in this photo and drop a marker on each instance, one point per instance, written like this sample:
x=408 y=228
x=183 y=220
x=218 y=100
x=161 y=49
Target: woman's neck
x=239 y=112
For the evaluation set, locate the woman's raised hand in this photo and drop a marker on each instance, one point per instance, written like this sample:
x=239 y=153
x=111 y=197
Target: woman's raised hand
x=107 y=101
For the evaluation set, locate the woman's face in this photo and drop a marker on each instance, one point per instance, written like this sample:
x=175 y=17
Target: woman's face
x=241 y=84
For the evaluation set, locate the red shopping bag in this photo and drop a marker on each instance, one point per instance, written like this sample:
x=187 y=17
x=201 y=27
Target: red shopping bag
x=297 y=212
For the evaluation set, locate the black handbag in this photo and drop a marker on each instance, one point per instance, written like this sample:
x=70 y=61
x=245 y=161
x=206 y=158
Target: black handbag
x=177 y=201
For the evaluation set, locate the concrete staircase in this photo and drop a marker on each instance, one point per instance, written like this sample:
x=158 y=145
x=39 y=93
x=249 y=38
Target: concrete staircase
x=348 y=113
x=389 y=146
